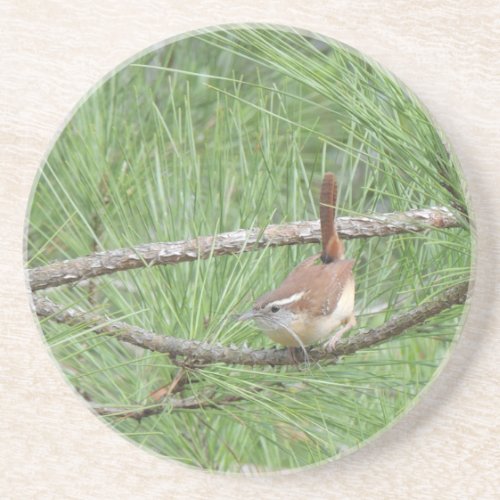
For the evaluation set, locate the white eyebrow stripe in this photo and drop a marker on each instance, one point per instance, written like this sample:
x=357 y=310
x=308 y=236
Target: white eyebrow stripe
x=288 y=300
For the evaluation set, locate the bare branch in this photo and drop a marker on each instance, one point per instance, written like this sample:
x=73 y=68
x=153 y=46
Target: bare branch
x=189 y=403
x=197 y=352
x=152 y=254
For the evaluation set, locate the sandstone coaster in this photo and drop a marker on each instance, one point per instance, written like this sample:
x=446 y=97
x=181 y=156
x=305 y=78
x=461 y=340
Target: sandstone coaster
x=249 y=249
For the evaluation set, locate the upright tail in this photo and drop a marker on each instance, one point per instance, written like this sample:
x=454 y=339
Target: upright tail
x=333 y=248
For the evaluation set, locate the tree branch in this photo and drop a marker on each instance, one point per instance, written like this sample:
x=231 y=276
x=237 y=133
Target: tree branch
x=152 y=254
x=197 y=352
x=189 y=403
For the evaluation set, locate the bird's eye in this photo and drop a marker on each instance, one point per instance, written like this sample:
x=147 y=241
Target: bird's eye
x=275 y=309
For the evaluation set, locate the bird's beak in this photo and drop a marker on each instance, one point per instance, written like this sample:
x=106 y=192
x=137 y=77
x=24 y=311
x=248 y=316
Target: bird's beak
x=245 y=316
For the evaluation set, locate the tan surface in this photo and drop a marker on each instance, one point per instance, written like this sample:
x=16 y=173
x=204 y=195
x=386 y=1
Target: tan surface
x=53 y=52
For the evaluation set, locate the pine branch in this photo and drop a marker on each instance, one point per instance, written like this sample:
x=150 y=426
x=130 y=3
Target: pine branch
x=189 y=403
x=152 y=254
x=196 y=353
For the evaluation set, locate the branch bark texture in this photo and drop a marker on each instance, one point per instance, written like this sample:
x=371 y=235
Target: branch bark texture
x=152 y=254
x=197 y=352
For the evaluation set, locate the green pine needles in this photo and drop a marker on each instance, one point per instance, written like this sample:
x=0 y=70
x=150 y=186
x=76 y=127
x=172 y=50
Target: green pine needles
x=233 y=129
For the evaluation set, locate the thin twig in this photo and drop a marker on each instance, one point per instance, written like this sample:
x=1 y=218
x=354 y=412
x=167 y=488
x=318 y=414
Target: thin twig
x=176 y=385
x=200 y=352
x=189 y=403
x=152 y=254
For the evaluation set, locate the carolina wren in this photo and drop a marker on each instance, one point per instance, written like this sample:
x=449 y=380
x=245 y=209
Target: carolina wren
x=318 y=295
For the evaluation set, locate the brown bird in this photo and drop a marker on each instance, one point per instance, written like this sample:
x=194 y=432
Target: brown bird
x=318 y=295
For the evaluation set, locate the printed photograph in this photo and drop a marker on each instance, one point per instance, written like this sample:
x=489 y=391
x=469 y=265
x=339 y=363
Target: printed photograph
x=249 y=249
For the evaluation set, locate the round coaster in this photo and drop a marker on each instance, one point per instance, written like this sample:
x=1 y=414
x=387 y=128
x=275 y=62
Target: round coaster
x=249 y=249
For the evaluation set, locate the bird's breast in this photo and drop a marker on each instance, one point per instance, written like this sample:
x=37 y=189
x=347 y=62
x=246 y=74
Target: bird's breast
x=310 y=329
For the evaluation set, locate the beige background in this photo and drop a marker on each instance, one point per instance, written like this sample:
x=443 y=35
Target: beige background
x=52 y=53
